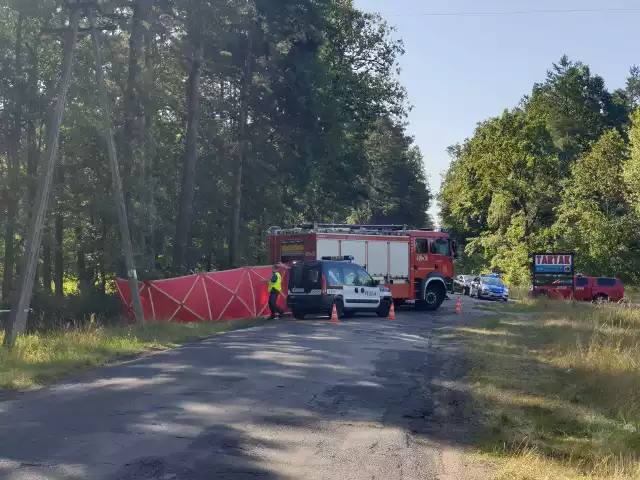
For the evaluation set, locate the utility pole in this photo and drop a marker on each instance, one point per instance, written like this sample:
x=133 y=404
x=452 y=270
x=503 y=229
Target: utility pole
x=17 y=320
x=115 y=175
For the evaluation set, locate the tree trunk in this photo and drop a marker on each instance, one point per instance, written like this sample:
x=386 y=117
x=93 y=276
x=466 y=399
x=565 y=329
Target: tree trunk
x=81 y=264
x=133 y=102
x=46 y=263
x=185 y=208
x=59 y=255
x=245 y=95
x=32 y=163
x=58 y=236
x=103 y=257
x=12 y=193
x=150 y=148
x=33 y=152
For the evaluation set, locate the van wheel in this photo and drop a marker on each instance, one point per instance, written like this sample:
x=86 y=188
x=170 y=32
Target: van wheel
x=298 y=314
x=434 y=295
x=384 y=309
x=601 y=298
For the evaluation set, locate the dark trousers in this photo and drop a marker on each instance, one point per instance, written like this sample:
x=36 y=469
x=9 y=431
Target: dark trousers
x=273 y=305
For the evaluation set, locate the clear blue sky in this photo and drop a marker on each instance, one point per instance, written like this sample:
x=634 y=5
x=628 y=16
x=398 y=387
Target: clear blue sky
x=459 y=70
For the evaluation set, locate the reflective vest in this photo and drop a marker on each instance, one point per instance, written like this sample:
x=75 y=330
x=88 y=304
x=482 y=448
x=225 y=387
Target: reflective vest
x=277 y=285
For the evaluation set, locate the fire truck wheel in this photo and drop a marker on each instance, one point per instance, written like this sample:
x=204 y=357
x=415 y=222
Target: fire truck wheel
x=434 y=295
x=298 y=314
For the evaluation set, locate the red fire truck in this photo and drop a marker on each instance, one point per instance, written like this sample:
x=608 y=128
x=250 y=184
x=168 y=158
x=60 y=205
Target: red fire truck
x=413 y=264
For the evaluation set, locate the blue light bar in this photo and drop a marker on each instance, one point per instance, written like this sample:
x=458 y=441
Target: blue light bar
x=348 y=258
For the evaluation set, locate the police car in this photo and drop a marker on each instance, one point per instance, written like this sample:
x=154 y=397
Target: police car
x=489 y=287
x=315 y=286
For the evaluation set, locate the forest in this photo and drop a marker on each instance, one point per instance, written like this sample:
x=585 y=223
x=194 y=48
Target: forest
x=558 y=172
x=230 y=116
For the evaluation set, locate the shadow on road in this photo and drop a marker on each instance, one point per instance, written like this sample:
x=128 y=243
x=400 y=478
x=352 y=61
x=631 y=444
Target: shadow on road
x=244 y=404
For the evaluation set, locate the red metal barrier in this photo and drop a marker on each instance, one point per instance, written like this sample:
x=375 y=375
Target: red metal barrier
x=206 y=297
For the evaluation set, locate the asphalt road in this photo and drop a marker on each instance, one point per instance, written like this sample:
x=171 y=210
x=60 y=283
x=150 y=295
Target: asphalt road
x=366 y=399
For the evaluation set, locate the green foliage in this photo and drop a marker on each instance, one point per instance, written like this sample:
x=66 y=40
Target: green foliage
x=632 y=166
x=558 y=173
x=395 y=180
x=594 y=218
x=325 y=132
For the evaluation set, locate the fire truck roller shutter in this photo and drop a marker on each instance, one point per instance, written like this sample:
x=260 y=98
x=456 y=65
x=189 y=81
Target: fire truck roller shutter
x=328 y=247
x=357 y=249
x=399 y=261
x=378 y=259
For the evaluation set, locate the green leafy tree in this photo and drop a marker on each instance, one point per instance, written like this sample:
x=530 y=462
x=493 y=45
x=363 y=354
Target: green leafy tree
x=230 y=116
x=594 y=219
x=556 y=173
x=504 y=180
x=632 y=166
x=576 y=108
x=397 y=188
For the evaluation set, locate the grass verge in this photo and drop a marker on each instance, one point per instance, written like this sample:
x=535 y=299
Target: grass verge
x=41 y=358
x=556 y=387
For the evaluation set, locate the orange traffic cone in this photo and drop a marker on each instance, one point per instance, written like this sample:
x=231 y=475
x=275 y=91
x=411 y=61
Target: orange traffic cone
x=458 y=307
x=334 y=315
x=392 y=312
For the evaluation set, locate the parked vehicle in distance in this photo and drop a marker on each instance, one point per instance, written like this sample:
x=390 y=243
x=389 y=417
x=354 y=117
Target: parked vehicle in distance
x=489 y=287
x=315 y=286
x=462 y=283
x=587 y=289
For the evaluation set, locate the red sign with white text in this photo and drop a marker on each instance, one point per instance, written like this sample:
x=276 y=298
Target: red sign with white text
x=554 y=263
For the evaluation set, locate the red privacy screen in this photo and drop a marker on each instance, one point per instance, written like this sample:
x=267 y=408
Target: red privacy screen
x=205 y=297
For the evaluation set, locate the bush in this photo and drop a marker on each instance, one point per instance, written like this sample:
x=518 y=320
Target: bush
x=50 y=312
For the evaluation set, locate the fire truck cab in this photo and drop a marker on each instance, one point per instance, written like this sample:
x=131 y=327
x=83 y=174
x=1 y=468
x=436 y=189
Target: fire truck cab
x=416 y=265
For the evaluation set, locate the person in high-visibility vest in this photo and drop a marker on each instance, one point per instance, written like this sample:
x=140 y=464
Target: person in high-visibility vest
x=274 y=288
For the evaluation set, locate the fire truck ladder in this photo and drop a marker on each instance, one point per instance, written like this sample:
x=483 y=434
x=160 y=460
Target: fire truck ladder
x=355 y=229
x=341 y=228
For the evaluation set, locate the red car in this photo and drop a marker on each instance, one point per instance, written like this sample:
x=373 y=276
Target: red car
x=586 y=289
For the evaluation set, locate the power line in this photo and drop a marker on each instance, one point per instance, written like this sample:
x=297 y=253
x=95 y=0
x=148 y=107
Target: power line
x=518 y=12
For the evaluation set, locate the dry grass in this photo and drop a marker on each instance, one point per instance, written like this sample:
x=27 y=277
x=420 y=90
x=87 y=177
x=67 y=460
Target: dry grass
x=39 y=359
x=557 y=387
x=632 y=294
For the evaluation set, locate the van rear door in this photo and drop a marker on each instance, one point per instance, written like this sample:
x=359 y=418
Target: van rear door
x=306 y=279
